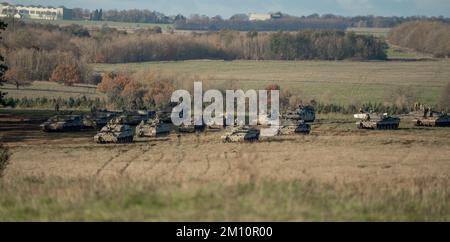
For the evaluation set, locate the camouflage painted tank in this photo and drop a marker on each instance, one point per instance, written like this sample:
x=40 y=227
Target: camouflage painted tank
x=299 y=127
x=153 y=128
x=241 y=134
x=114 y=132
x=304 y=113
x=373 y=121
x=63 y=123
x=191 y=128
x=98 y=119
x=134 y=117
x=434 y=120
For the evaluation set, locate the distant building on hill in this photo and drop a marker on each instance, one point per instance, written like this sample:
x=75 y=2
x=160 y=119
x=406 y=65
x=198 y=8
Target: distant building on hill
x=264 y=16
x=259 y=17
x=34 y=12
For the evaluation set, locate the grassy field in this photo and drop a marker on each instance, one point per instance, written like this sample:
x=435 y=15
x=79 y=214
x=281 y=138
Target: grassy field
x=92 y=25
x=51 y=90
x=378 y=32
x=336 y=173
x=342 y=82
x=339 y=82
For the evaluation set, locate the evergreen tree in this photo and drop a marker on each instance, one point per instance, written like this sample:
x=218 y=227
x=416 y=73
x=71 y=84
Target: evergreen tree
x=3 y=67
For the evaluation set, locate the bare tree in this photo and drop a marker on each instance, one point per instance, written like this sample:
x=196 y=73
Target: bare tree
x=17 y=77
x=444 y=101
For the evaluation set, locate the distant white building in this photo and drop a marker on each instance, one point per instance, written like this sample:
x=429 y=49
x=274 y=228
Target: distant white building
x=34 y=12
x=259 y=17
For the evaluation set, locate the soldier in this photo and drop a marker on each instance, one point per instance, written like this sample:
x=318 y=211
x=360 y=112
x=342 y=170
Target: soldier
x=416 y=106
x=93 y=110
x=57 y=107
x=425 y=112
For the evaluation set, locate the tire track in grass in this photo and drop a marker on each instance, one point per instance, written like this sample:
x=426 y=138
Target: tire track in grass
x=180 y=159
x=154 y=163
x=140 y=153
x=97 y=173
x=208 y=162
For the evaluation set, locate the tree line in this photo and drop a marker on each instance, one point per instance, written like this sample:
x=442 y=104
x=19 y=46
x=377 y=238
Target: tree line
x=326 y=45
x=131 y=15
x=241 y=22
x=81 y=103
x=284 y=24
x=423 y=36
x=62 y=54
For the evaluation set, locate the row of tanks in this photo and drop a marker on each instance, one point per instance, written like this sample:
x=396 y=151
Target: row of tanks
x=67 y=122
x=433 y=119
x=375 y=121
x=387 y=122
x=116 y=127
x=292 y=122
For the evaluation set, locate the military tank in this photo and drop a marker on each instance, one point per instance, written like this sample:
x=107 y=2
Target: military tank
x=304 y=113
x=298 y=121
x=307 y=113
x=241 y=134
x=433 y=120
x=152 y=128
x=191 y=128
x=374 y=121
x=98 y=119
x=135 y=117
x=298 y=127
x=63 y=123
x=114 y=132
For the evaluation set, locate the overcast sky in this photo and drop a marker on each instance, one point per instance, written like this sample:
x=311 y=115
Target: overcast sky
x=295 y=7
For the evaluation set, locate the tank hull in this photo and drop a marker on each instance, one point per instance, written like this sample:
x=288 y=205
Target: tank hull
x=241 y=135
x=150 y=130
x=378 y=125
x=433 y=122
x=63 y=123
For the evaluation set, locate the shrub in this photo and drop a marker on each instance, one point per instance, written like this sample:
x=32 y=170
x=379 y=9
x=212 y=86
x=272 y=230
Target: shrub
x=4 y=159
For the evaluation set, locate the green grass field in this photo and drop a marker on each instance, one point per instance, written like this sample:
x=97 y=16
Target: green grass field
x=98 y=24
x=342 y=82
x=51 y=90
x=379 y=32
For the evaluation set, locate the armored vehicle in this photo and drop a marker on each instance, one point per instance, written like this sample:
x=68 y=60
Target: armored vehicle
x=373 y=121
x=298 y=127
x=191 y=128
x=307 y=113
x=304 y=113
x=114 y=132
x=241 y=134
x=434 y=120
x=135 y=117
x=98 y=119
x=152 y=128
x=63 y=123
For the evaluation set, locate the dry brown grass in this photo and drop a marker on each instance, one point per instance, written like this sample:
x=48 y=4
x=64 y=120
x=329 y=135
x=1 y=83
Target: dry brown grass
x=336 y=173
